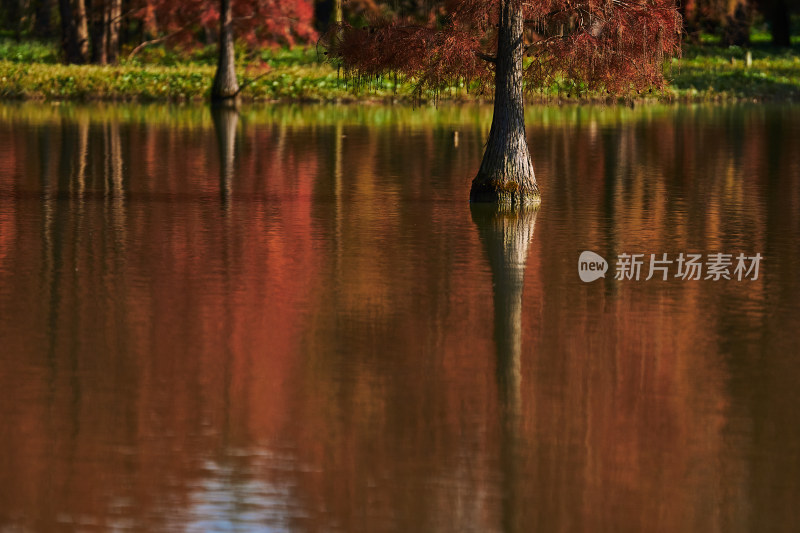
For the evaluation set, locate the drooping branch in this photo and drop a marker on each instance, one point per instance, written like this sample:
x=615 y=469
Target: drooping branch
x=161 y=39
x=616 y=45
x=433 y=55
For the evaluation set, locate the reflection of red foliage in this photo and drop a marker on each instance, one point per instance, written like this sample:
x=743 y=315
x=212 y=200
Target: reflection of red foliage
x=293 y=334
x=8 y=167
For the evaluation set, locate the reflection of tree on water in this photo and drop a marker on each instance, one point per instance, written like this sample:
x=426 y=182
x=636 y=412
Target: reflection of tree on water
x=506 y=236
x=225 y=121
x=83 y=217
x=232 y=478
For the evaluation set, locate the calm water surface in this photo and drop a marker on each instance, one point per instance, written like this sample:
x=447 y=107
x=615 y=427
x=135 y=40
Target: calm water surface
x=291 y=320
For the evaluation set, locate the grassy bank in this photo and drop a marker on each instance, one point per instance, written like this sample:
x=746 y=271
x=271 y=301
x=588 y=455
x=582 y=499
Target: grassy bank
x=706 y=72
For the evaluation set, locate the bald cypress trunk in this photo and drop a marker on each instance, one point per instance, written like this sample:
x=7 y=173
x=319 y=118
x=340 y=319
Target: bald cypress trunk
x=506 y=174
x=225 y=87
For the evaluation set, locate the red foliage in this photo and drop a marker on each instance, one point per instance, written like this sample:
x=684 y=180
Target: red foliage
x=617 y=45
x=257 y=22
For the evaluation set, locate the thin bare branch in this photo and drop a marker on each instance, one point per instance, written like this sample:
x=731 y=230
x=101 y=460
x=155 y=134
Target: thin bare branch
x=153 y=41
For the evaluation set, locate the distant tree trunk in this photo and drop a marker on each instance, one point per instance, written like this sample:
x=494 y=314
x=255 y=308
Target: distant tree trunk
x=112 y=36
x=82 y=25
x=98 y=15
x=506 y=174
x=74 y=31
x=225 y=87
x=777 y=13
x=736 y=30
x=689 y=14
x=42 y=24
x=337 y=11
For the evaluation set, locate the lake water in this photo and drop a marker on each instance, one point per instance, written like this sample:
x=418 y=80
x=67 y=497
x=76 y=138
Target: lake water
x=291 y=320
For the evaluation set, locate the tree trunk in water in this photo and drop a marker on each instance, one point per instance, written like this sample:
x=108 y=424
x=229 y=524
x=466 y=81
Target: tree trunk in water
x=506 y=233
x=74 y=31
x=225 y=87
x=506 y=174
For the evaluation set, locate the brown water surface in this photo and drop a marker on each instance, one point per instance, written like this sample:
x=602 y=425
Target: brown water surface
x=291 y=319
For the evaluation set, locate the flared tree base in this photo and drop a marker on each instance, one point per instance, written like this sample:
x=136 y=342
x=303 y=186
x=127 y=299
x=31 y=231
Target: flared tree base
x=509 y=194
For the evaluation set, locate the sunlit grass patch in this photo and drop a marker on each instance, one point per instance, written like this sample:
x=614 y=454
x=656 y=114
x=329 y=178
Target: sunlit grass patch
x=30 y=70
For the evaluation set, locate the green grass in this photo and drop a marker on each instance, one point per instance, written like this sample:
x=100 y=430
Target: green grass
x=28 y=52
x=717 y=73
x=185 y=82
x=30 y=70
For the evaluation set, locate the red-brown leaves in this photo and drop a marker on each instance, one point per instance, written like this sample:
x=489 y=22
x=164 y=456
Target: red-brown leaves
x=436 y=56
x=257 y=22
x=617 y=45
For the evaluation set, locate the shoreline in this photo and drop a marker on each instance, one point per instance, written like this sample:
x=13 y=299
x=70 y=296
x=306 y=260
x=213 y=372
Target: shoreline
x=702 y=76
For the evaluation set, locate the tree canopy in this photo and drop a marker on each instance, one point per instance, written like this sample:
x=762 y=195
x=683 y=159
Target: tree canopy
x=256 y=22
x=617 y=45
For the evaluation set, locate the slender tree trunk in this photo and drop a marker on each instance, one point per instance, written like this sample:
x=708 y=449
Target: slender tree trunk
x=98 y=15
x=74 y=31
x=69 y=33
x=82 y=25
x=112 y=28
x=506 y=173
x=736 y=31
x=225 y=87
